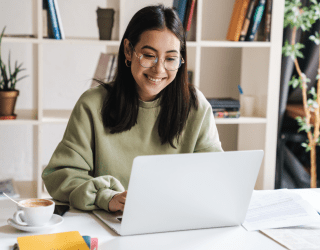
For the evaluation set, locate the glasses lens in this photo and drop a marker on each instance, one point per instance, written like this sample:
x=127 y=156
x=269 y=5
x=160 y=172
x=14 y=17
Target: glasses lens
x=171 y=63
x=148 y=61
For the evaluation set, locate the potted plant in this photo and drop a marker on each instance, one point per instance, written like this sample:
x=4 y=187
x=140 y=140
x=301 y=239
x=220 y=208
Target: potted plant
x=297 y=17
x=8 y=92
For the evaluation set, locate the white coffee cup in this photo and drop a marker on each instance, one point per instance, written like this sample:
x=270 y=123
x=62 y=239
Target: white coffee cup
x=34 y=212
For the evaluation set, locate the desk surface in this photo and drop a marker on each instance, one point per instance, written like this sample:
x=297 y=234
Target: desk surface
x=88 y=224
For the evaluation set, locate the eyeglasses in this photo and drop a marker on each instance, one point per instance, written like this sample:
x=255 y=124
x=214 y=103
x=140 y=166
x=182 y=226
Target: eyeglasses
x=149 y=60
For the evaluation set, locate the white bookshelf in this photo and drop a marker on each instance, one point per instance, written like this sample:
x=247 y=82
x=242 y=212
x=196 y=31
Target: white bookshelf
x=218 y=66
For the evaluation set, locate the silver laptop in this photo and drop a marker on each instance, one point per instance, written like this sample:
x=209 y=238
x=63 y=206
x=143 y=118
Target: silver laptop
x=186 y=191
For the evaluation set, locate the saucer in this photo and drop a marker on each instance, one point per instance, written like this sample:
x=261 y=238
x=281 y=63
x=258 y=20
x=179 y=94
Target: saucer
x=54 y=221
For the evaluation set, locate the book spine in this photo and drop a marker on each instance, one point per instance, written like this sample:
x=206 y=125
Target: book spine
x=114 y=68
x=59 y=19
x=54 y=21
x=44 y=23
x=182 y=5
x=247 y=20
x=268 y=20
x=256 y=19
x=190 y=15
x=94 y=244
x=237 y=19
x=111 y=58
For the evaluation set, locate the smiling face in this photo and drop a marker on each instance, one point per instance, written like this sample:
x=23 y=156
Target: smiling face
x=153 y=43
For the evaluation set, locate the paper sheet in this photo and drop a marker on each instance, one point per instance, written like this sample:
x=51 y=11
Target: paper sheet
x=296 y=238
x=278 y=208
x=310 y=195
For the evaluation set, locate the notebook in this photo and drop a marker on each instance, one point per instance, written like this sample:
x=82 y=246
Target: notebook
x=186 y=191
x=66 y=240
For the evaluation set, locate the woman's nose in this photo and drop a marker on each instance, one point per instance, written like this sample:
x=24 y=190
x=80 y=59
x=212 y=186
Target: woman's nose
x=159 y=66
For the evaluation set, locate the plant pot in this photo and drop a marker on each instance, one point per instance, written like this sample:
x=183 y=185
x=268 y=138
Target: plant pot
x=7 y=102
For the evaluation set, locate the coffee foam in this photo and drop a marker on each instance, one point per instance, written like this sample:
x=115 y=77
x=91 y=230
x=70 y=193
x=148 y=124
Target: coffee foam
x=36 y=203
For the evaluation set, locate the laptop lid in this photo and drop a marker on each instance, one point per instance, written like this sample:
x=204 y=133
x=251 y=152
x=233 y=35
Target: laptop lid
x=189 y=191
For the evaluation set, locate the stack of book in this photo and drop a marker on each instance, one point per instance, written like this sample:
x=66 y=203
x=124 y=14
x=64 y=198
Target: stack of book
x=52 y=25
x=225 y=107
x=250 y=21
x=106 y=68
x=185 y=10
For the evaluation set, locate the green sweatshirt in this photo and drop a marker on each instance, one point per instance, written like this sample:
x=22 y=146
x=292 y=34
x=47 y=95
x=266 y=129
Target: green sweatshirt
x=90 y=165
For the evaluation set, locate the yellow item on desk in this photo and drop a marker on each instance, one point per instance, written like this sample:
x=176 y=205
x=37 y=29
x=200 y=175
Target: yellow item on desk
x=66 y=240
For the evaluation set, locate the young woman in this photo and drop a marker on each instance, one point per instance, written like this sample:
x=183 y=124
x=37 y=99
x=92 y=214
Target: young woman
x=149 y=109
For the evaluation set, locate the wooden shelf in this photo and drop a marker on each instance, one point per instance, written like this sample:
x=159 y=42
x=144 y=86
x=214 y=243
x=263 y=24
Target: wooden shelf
x=241 y=120
x=229 y=44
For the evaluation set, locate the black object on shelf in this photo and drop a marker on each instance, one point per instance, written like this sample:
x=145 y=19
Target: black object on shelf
x=105 y=22
x=224 y=103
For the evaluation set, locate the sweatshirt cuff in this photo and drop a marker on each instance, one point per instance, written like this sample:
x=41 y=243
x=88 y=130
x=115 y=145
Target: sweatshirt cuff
x=103 y=198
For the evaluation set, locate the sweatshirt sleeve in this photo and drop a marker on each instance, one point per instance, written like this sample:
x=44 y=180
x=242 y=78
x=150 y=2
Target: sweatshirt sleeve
x=69 y=174
x=208 y=137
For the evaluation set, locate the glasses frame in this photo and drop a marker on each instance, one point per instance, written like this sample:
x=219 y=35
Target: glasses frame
x=156 y=61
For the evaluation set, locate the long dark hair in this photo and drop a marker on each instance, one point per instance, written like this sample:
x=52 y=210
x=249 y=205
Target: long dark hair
x=120 y=108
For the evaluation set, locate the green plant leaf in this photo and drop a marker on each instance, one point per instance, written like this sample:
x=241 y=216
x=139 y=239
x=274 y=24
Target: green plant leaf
x=313 y=93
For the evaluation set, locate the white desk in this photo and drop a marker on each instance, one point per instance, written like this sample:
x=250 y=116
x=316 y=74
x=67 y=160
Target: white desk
x=87 y=224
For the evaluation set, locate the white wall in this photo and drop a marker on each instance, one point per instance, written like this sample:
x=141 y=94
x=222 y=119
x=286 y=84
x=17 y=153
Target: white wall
x=67 y=72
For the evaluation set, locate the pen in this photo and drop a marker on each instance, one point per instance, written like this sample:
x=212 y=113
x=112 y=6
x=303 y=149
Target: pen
x=240 y=89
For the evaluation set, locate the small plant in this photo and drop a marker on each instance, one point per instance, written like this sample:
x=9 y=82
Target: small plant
x=304 y=17
x=8 y=79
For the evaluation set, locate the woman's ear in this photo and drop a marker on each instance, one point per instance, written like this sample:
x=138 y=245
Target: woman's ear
x=127 y=49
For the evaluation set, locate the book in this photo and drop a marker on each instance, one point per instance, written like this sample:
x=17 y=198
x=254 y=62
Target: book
x=114 y=68
x=190 y=11
x=226 y=114
x=9 y=187
x=92 y=243
x=239 y=12
x=267 y=27
x=247 y=20
x=109 y=68
x=54 y=20
x=256 y=19
x=67 y=240
x=101 y=69
x=59 y=19
x=180 y=6
x=44 y=23
x=48 y=24
x=224 y=103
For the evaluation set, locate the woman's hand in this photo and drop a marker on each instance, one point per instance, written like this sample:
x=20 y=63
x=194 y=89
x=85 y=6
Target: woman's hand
x=117 y=202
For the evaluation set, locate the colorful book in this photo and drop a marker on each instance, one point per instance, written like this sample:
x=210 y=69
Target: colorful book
x=239 y=12
x=267 y=27
x=180 y=6
x=59 y=19
x=226 y=114
x=54 y=20
x=256 y=20
x=247 y=20
x=66 y=240
x=190 y=11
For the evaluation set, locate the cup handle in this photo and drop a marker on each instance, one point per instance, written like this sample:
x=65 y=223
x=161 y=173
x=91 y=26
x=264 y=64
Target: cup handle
x=17 y=218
